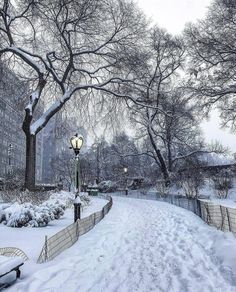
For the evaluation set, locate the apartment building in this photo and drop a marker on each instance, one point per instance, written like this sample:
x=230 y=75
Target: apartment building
x=12 y=138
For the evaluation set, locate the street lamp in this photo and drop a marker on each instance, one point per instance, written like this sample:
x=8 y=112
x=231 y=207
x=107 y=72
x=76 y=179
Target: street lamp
x=126 y=180
x=76 y=143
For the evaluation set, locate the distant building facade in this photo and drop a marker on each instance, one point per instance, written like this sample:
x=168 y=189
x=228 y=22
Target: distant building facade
x=56 y=140
x=12 y=137
x=12 y=145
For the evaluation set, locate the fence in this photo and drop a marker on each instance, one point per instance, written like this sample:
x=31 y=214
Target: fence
x=65 y=238
x=221 y=217
x=13 y=251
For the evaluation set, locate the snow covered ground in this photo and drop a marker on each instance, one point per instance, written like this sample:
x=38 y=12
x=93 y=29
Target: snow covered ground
x=141 y=246
x=31 y=239
x=206 y=191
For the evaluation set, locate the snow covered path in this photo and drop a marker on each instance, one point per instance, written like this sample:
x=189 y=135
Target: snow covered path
x=139 y=246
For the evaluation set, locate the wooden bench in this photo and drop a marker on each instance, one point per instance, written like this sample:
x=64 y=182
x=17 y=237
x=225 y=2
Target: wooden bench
x=7 y=266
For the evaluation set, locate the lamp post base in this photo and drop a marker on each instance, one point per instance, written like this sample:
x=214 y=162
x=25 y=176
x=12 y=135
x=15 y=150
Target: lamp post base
x=77 y=209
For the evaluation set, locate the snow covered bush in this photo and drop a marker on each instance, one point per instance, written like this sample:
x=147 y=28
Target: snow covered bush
x=28 y=214
x=31 y=215
x=66 y=197
x=107 y=186
x=223 y=182
x=85 y=199
x=56 y=207
x=19 y=215
x=2 y=212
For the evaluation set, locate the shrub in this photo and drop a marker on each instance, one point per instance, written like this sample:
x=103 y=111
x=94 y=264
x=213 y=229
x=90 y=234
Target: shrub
x=190 y=181
x=28 y=214
x=85 y=199
x=107 y=186
x=21 y=197
x=161 y=187
x=223 y=182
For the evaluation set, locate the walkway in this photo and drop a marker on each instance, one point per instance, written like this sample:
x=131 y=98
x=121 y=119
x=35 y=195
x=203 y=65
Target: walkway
x=140 y=246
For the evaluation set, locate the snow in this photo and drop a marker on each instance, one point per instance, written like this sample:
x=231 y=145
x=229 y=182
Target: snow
x=216 y=159
x=9 y=278
x=77 y=200
x=222 y=202
x=209 y=192
x=38 y=124
x=31 y=240
x=8 y=263
x=27 y=56
x=141 y=246
x=27 y=214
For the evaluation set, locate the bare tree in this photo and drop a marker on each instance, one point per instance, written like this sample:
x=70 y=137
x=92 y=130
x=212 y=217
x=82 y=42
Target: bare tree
x=170 y=130
x=166 y=53
x=67 y=47
x=212 y=52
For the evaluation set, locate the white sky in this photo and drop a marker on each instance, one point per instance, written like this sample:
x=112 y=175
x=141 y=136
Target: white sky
x=173 y=15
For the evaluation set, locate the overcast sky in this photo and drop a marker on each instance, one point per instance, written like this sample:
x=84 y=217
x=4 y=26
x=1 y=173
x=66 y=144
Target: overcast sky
x=173 y=15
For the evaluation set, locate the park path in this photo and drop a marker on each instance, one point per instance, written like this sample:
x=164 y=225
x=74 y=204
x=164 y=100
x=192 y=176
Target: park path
x=139 y=246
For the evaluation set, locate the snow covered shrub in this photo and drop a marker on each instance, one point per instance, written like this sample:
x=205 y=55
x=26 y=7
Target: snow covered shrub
x=85 y=199
x=66 y=197
x=107 y=186
x=28 y=215
x=18 y=215
x=223 y=182
x=55 y=207
x=2 y=212
x=42 y=216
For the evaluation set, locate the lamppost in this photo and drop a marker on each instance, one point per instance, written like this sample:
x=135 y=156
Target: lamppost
x=126 y=180
x=76 y=144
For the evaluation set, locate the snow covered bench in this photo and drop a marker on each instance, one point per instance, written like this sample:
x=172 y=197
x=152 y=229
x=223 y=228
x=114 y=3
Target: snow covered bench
x=9 y=270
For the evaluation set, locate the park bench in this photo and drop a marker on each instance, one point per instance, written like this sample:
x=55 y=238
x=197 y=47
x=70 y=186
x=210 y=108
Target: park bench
x=9 y=270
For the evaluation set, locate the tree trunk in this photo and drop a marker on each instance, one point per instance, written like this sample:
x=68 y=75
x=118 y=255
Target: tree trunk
x=98 y=165
x=30 y=162
x=161 y=160
x=163 y=168
x=170 y=164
